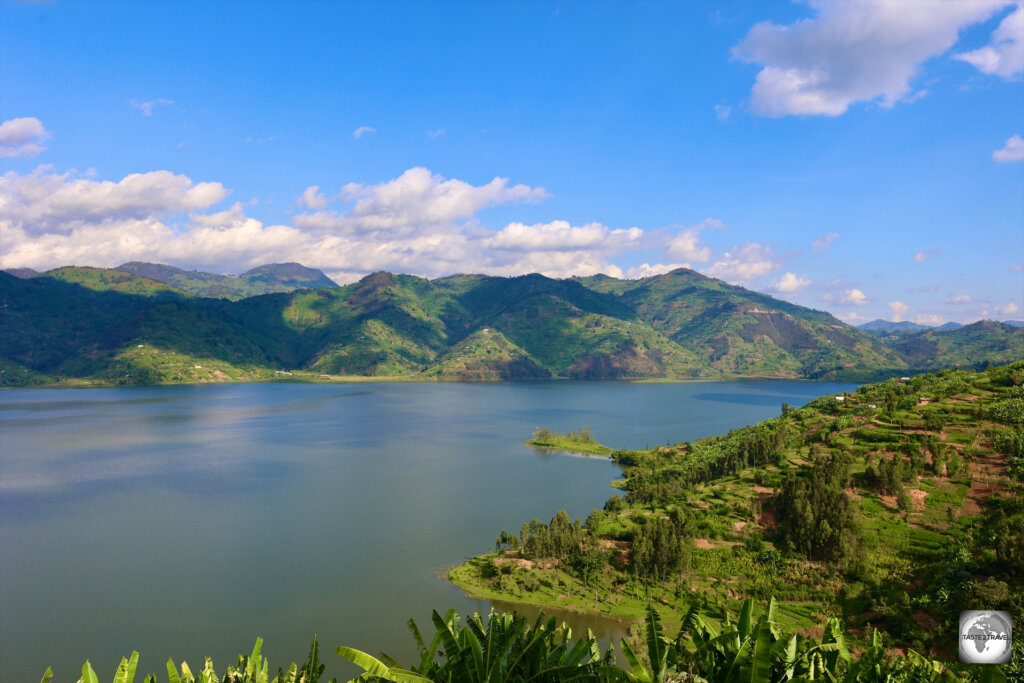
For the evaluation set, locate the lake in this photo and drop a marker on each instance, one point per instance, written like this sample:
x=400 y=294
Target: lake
x=185 y=521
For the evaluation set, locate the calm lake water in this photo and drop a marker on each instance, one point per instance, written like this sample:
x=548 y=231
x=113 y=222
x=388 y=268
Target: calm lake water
x=185 y=521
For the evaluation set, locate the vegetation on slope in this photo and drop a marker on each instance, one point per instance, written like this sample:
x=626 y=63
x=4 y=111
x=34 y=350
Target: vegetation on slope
x=267 y=279
x=78 y=323
x=577 y=441
x=892 y=508
x=508 y=648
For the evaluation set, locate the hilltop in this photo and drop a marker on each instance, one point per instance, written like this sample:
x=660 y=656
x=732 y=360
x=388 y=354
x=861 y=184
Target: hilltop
x=893 y=508
x=267 y=279
x=146 y=323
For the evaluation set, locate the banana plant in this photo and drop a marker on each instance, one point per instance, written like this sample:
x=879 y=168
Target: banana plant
x=504 y=649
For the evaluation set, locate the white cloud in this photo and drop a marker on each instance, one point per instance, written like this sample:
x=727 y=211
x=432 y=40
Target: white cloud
x=436 y=133
x=1012 y=151
x=363 y=130
x=744 y=263
x=929 y=319
x=687 y=245
x=722 y=112
x=650 y=270
x=44 y=201
x=311 y=198
x=21 y=137
x=853 y=297
x=147 y=107
x=923 y=256
x=560 y=236
x=898 y=310
x=790 y=282
x=414 y=199
x=1017 y=267
x=418 y=223
x=1004 y=56
x=851 y=52
x=820 y=246
x=1009 y=309
x=852 y=317
x=959 y=299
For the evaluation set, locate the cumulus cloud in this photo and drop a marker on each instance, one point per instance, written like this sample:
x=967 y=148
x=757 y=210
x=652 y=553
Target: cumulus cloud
x=47 y=202
x=851 y=52
x=853 y=297
x=650 y=270
x=820 y=246
x=744 y=263
x=790 y=282
x=561 y=236
x=363 y=130
x=147 y=107
x=687 y=245
x=415 y=199
x=1012 y=151
x=1004 y=55
x=959 y=299
x=923 y=256
x=929 y=319
x=852 y=317
x=898 y=310
x=21 y=137
x=311 y=198
x=418 y=223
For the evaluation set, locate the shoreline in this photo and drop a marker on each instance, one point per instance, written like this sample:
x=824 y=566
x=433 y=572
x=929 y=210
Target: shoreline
x=293 y=378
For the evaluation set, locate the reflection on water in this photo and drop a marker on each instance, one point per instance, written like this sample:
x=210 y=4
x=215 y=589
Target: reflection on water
x=185 y=521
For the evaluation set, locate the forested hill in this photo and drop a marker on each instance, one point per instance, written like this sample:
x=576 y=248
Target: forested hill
x=892 y=508
x=144 y=323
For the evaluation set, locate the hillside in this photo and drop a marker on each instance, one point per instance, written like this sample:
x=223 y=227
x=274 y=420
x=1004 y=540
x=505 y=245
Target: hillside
x=268 y=279
x=740 y=332
x=893 y=507
x=964 y=346
x=89 y=324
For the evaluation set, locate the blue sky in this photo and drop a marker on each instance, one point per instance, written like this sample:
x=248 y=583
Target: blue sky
x=859 y=157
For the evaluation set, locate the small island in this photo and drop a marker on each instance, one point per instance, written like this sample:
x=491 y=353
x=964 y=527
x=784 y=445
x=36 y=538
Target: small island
x=578 y=441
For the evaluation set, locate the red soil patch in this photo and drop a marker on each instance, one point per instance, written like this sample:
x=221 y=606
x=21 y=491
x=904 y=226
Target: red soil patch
x=703 y=543
x=620 y=554
x=738 y=526
x=917 y=497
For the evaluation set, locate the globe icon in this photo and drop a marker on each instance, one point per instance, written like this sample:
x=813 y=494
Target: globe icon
x=985 y=637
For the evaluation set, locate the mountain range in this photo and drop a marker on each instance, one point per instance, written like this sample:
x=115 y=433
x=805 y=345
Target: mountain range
x=147 y=323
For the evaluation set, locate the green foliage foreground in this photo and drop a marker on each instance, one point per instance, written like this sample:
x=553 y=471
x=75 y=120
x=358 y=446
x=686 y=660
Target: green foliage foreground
x=508 y=648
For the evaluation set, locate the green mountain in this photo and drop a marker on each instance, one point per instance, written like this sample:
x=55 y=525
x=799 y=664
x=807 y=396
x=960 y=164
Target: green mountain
x=275 y=277
x=104 y=279
x=92 y=324
x=21 y=272
x=967 y=346
x=892 y=508
x=884 y=328
x=740 y=332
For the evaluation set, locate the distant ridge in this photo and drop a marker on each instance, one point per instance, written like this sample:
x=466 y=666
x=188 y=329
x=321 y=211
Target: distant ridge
x=886 y=326
x=21 y=272
x=126 y=326
x=267 y=279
